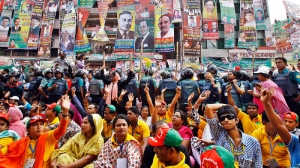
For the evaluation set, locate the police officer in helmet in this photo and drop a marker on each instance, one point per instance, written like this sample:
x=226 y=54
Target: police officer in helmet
x=44 y=85
x=187 y=87
x=169 y=85
x=152 y=85
x=57 y=86
x=96 y=88
x=132 y=87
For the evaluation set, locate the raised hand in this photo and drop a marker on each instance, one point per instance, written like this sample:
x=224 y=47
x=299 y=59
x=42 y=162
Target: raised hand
x=130 y=97
x=163 y=91
x=158 y=101
x=146 y=89
x=265 y=95
x=191 y=96
x=65 y=104
x=73 y=90
x=123 y=92
x=87 y=94
x=106 y=89
x=234 y=81
x=178 y=89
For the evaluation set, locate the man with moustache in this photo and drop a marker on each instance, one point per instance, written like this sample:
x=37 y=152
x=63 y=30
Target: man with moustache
x=124 y=22
x=164 y=24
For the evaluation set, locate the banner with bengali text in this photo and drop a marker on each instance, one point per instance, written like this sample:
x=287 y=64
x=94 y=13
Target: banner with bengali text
x=82 y=41
x=36 y=20
x=210 y=20
x=191 y=27
x=126 y=25
x=177 y=15
x=86 y=3
x=247 y=31
x=259 y=15
x=144 y=27
x=229 y=35
x=282 y=36
x=292 y=9
x=227 y=12
x=164 y=29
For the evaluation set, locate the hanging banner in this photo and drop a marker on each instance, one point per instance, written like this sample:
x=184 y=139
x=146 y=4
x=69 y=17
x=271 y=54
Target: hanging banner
x=36 y=20
x=295 y=40
x=210 y=20
x=247 y=32
x=292 y=9
x=68 y=28
x=82 y=41
x=144 y=28
x=127 y=2
x=125 y=34
x=259 y=15
x=164 y=29
x=270 y=41
x=102 y=9
x=282 y=36
x=229 y=35
x=265 y=7
x=48 y=19
x=4 y=28
x=21 y=25
x=227 y=12
x=177 y=11
x=191 y=27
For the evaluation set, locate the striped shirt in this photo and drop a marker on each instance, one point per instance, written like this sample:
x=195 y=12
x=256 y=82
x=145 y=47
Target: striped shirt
x=247 y=154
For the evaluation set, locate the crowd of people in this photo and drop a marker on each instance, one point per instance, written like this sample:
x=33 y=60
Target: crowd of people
x=67 y=116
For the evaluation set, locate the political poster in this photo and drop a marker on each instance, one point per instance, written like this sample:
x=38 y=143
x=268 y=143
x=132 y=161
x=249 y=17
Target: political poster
x=247 y=32
x=82 y=42
x=292 y=8
x=229 y=35
x=282 y=36
x=68 y=28
x=86 y=3
x=191 y=27
x=259 y=15
x=210 y=27
x=126 y=25
x=265 y=7
x=270 y=41
x=35 y=25
x=295 y=40
x=164 y=29
x=177 y=16
x=48 y=19
x=144 y=28
x=227 y=12
x=5 y=19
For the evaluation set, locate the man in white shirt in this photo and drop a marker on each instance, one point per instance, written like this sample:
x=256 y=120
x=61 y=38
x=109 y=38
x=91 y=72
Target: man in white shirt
x=145 y=14
x=5 y=23
x=164 y=24
x=250 y=19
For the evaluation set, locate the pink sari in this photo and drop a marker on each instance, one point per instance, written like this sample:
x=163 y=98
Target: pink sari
x=278 y=100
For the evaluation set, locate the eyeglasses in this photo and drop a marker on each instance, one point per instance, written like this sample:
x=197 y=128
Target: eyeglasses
x=228 y=116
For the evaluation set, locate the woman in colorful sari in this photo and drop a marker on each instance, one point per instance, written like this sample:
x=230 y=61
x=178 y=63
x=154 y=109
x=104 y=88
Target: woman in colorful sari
x=6 y=136
x=82 y=149
x=278 y=100
x=36 y=148
x=121 y=147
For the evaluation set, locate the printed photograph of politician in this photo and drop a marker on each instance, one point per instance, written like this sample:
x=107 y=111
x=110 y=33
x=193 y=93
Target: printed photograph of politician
x=67 y=39
x=144 y=12
x=125 y=25
x=144 y=36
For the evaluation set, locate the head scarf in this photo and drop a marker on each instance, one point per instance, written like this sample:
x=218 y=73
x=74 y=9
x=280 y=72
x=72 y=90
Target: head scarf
x=113 y=94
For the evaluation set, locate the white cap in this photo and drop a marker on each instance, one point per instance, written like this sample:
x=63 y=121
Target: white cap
x=263 y=70
x=15 y=98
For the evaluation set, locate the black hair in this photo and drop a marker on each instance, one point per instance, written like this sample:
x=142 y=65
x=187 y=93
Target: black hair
x=252 y=104
x=234 y=73
x=36 y=18
x=7 y=122
x=157 y=123
x=146 y=108
x=264 y=116
x=242 y=31
x=6 y=17
x=210 y=71
x=125 y=12
x=249 y=12
x=259 y=11
x=166 y=16
x=71 y=112
x=183 y=117
x=121 y=116
x=226 y=109
x=91 y=121
x=95 y=106
x=282 y=59
x=200 y=75
x=134 y=110
x=177 y=149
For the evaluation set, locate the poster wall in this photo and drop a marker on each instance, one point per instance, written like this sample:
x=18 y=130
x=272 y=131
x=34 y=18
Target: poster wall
x=82 y=42
x=247 y=31
x=259 y=15
x=35 y=25
x=210 y=20
x=102 y=9
x=229 y=35
x=4 y=28
x=227 y=12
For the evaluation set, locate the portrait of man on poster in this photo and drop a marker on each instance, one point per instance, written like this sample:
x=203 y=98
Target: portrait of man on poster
x=249 y=19
x=145 y=37
x=35 y=25
x=5 y=23
x=164 y=24
x=125 y=22
x=16 y=26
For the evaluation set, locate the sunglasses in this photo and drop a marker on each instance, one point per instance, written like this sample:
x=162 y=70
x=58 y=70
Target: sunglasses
x=228 y=116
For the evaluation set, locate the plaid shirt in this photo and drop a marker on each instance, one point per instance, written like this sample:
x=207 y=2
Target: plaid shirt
x=248 y=153
x=72 y=130
x=296 y=132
